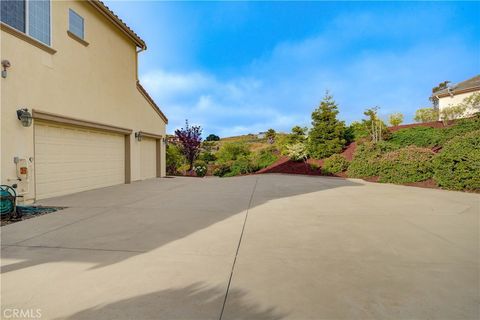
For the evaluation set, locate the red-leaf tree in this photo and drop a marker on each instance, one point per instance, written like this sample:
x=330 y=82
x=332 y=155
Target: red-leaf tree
x=190 y=140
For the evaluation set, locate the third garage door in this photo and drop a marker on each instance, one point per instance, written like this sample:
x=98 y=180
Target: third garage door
x=148 y=158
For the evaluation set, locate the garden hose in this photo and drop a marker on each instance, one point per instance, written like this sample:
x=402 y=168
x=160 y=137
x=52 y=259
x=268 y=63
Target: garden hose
x=7 y=199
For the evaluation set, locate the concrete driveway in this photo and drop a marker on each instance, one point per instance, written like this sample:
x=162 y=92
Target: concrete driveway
x=254 y=247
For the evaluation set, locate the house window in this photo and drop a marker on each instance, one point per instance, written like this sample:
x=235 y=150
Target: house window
x=29 y=16
x=75 y=25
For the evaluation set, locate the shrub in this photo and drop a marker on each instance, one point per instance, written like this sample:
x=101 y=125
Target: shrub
x=460 y=128
x=222 y=169
x=366 y=159
x=297 y=152
x=200 y=168
x=242 y=165
x=410 y=164
x=175 y=159
x=457 y=166
x=265 y=157
x=207 y=157
x=335 y=164
x=314 y=166
x=232 y=151
x=418 y=136
x=356 y=130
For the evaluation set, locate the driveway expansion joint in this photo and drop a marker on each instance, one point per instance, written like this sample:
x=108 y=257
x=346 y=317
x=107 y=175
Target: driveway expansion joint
x=238 y=247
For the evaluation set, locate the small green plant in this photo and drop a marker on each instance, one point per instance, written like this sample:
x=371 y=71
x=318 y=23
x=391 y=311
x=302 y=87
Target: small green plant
x=410 y=164
x=335 y=164
x=297 y=152
x=457 y=166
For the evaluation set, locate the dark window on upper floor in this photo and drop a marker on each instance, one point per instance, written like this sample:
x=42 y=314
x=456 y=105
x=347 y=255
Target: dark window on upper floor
x=29 y=16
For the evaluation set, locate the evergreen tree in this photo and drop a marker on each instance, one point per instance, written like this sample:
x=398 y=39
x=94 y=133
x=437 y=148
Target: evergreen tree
x=327 y=135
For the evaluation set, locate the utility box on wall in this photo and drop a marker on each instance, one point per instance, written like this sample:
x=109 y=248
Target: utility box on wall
x=23 y=171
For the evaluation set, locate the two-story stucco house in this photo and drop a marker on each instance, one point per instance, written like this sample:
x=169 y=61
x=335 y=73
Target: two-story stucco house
x=455 y=94
x=74 y=116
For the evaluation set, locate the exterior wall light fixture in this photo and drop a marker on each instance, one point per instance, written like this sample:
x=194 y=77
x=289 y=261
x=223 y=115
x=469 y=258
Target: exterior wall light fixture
x=138 y=136
x=25 y=117
x=5 y=66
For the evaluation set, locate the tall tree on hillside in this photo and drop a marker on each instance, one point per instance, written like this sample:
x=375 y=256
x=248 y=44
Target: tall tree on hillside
x=270 y=135
x=212 y=137
x=426 y=114
x=395 y=119
x=327 y=135
x=375 y=125
x=190 y=140
x=298 y=134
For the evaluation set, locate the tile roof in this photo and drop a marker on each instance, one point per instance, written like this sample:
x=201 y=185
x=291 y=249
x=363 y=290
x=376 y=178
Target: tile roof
x=151 y=101
x=464 y=86
x=106 y=11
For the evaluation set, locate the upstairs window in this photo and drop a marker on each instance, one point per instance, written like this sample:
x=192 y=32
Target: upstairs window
x=29 y=16
x=75 y=24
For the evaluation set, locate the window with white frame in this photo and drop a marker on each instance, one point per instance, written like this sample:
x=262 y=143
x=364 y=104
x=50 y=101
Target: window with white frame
x=75 y=24
x=29 y=16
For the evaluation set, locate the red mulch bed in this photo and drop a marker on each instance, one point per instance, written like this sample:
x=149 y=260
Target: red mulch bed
x=285 y=165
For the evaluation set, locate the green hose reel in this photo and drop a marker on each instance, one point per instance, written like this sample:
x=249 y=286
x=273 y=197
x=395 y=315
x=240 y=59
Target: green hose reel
x=8 y=200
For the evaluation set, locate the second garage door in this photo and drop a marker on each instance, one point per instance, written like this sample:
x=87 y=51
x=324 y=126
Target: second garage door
x=70 y=159
x=148 y=158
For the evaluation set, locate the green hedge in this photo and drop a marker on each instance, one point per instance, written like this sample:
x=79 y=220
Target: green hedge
x=410 y=164
x=366 y=160
x=418 y=136
x=335 y=164
x=457 y=166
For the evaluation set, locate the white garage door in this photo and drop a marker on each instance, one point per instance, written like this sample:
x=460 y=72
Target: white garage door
x=70 y=159
x=148 y=158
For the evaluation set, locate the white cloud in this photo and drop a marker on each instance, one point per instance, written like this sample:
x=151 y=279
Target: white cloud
x=281 y=89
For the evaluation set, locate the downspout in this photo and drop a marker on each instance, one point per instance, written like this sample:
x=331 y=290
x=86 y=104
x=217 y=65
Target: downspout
x=136 y=60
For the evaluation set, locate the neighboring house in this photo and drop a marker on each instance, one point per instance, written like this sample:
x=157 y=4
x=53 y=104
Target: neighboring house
x=455 y=94
x=261 y=135
x=73 y=65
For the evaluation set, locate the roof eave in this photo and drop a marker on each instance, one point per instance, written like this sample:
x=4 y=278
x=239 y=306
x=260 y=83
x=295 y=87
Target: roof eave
x=455 y=92
x=103 y=9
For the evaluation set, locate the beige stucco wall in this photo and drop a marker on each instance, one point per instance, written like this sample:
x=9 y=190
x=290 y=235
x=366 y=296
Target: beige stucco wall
x=95 y=82
x=445 y=102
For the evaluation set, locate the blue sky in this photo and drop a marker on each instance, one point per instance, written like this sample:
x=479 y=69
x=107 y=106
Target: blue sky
x=243 y=67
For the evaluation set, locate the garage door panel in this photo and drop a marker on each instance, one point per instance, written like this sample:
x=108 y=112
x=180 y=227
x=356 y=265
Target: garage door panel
x=69 y=159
